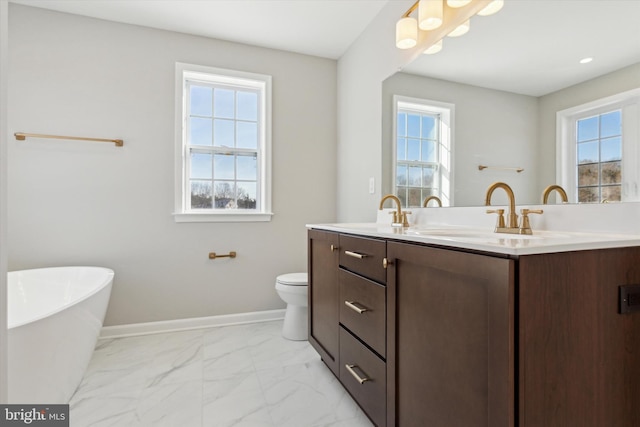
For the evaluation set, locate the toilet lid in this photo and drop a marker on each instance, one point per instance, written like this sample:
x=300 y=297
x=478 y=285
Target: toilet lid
x=293 y=279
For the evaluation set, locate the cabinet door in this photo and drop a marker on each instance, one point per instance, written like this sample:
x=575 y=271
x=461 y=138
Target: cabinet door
x=579 y=355
x=450 y=354
x=324 y=294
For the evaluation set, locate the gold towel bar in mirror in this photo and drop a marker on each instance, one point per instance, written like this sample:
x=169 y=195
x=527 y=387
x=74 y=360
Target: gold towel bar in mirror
x=212 y=255
x=483 y=167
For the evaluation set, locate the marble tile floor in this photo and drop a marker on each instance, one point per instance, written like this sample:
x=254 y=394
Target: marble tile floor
x=242 y=375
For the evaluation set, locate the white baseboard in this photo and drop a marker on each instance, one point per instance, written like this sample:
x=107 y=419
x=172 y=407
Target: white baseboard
x=163 y=326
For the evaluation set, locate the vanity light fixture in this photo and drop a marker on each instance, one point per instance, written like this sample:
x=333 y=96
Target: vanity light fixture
x=492 y=8
x=460 y=29
x=430 y=14
x=406 y=33
x=457 y=3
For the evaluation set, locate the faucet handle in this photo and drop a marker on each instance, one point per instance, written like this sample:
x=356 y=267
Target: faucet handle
x=405 y=222
x=500 y=213
x=525 y=225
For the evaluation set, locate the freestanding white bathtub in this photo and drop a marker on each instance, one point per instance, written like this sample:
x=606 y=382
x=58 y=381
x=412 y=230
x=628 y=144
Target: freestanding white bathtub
x=55 y=316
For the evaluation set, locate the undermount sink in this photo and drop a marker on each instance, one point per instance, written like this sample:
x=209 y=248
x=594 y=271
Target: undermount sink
x=477 y=234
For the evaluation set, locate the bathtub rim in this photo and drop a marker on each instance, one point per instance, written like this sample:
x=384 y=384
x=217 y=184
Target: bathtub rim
x=109 y=276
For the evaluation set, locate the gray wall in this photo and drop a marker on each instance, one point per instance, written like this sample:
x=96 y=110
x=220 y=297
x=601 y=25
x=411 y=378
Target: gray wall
x=91 y=203
x=4 y=50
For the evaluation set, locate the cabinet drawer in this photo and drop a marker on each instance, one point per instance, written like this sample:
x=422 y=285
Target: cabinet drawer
x=364 y=256
x=363 y=374
x=363 y=309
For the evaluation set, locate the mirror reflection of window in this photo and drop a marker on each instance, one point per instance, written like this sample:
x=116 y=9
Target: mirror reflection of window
x=599 y=149
x=423 y=150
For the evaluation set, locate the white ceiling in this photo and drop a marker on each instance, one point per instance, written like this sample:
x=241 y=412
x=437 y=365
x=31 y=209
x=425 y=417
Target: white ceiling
x=530 y=47
x=323 y=28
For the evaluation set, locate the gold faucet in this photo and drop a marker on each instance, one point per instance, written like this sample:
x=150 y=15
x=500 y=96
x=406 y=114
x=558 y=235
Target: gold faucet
x=399 y=217
x=428 y=199
x=513 y=227
x=513 y=216
x=547 y=191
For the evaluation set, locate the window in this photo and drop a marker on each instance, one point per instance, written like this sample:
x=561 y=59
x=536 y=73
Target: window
x=598 y=154
x=223 y=145
x=423 y=150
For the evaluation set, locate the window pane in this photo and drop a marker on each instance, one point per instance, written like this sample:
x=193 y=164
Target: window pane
x=588 y=152
x=402 y=149
x=223 y=133
x=428 y=127
x=247 y=135
x=588 y=129
x=611 y=193
x=415 y=176
x=413 y=149
x=413 y=125
x=201 y=195
x=588 y=195
x=611 y=173
x=200 y=101
x=428 y=174
x=611 y=124
x=415 y=197
x=402 y=124
x=224 y=103
x=401 y=175
x=199 y=131
x=223 y=167
x=588 y=175
x=247 y=167
x=611 y=149
x=246 y=195
x=402 y=195
x=201 y=166
x=247 y=106
x=225 y=195
x=428 y=151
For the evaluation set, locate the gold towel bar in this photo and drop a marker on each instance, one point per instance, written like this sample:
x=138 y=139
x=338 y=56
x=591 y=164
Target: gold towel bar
x=212 y=255
x=482 y=167
x=21 y=136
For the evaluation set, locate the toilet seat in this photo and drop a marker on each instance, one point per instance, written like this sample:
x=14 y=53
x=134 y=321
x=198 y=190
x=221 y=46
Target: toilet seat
x=293 y=279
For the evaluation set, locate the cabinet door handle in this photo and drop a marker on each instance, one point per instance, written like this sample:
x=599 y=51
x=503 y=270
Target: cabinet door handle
x=355 y=254
x=352 y=305
x=355 y=375
x=334 y=248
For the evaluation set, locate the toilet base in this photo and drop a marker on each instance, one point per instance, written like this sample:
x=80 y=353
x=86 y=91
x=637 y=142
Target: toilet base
x=295 y=323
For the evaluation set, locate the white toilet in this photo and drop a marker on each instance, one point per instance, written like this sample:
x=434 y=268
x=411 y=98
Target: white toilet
x=293 y=289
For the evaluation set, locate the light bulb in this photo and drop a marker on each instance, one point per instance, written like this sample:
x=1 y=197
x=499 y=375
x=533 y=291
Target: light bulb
x=434 y=48
x=406 y=33
x=430 y=14
x=457 y=3
x=492 y=8
x=460 y=29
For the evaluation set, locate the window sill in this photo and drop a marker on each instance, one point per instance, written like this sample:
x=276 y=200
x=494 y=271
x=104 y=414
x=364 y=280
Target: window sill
x=223 y=217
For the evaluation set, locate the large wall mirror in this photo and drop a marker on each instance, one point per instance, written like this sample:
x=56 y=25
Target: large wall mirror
x=504 y=83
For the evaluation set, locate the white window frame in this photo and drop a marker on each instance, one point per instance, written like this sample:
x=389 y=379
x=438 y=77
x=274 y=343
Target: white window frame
x=566 y=147
x=205 y=74
x=446 y=111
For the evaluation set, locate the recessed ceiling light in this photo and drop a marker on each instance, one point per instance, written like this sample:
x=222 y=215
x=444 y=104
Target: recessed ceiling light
x=586 y=60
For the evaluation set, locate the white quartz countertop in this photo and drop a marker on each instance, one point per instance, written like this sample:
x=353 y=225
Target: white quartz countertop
x=484 y=239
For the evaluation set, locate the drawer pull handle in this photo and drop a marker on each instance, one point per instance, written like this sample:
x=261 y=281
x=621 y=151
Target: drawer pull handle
x=334 y=248
x=352 y=305
x=355 y=375
x=355 y=254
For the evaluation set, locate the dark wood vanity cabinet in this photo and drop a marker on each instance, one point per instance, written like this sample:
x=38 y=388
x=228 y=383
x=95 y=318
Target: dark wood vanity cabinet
x=324 y=293
x=450 y=353
x=483 y=339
